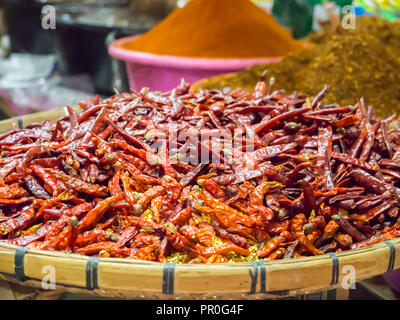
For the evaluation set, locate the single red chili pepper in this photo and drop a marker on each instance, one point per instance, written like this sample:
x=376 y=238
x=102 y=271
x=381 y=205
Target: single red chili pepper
x=356 y=147
x=77 y=184
x=309 y=198
x=309 y=245
x=88 y=112
x=272 y=151
x=223 y=249
x=291 y=250
x=376 y=239
x=151 y=194
x=25 y=240
x=370 y=182
x=181 y=217
x=324 y=146
x=8 y=168
x=277 y=254
x=20 y=222
x=12 y=191
x=90 y=237
x=396 y=156
x=114 y=186
x=127 y=235
x=384 y=129
x=347 y=121
x=73 y=119
x=57 y=226
x=96 y=127
x=47 y=178
x=329 y=111
x=318 y=98
x=344 y=240
x=234 y=238
x=191 y=176
x=16 y=201
x=229 y=211
x=369 y=141
x=111 y=247
x=128 y=192
x=33 y=152
x=131 y=139
x=393 y=164
x=270 y=246
x=376 y=211
x=278 y=228
x=213 y=188
x=329 y=231
x=347 y=227
x=95 y=214
x=252 y=109
x=260 y=89
x=146 y=179
x=392 y=173
x=357 y=162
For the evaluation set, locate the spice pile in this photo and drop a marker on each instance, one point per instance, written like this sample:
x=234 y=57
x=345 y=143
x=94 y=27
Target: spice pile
x=385 y=30
x=218 y=29
x=311 y=178
x=354 y=63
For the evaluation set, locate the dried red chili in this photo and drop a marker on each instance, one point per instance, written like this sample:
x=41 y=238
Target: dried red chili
x=211 y=176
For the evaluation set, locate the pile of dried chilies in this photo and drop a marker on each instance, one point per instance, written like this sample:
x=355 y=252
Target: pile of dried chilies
x=319 y=178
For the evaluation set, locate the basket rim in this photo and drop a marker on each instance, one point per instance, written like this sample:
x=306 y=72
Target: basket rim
x=381 y=246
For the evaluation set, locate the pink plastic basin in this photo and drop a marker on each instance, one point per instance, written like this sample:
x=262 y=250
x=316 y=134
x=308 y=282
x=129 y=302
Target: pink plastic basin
x=162 y=72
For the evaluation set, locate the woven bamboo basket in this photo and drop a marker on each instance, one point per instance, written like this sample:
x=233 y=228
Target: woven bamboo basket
x=125 y=278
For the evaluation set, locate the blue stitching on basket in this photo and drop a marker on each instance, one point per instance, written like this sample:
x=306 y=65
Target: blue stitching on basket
x=19 y=264
x=165 y=279
x=168 y=278
x=335 y=268
x=392 y=256
x=254 y=277
x=263 y=276
x=89 y=273
x=95 y=265
x=19 y=122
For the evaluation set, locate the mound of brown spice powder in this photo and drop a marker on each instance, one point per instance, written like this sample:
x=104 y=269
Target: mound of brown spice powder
x=218 y=29
x=353 y=63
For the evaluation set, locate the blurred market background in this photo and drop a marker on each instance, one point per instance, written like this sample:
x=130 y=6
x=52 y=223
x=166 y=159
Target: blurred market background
x=44 y=68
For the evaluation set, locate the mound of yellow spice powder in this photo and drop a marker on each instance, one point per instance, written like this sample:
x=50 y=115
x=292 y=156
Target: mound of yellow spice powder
x=354 y=63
